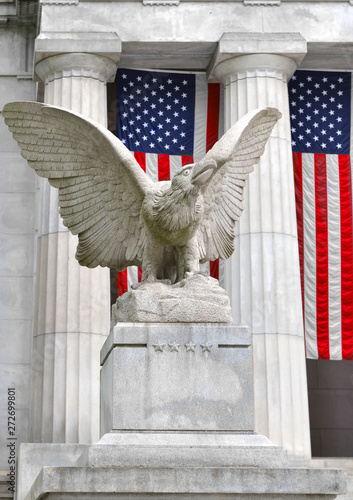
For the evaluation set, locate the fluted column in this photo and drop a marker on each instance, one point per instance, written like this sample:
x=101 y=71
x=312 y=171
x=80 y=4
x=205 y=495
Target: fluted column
x=72 y=302
x=262 y=277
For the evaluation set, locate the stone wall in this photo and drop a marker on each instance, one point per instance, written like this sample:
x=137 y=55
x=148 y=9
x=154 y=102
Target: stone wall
x=17 y=209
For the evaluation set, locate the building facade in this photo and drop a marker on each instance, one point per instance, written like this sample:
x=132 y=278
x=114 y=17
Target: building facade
x=54 y=315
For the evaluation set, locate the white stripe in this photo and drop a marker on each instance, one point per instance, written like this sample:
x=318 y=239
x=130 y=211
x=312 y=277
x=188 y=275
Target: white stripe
x=334 y=256
x=132 y=276
x=175 y=165
x=309 y=255
x=205 y=268
x=221 y=272
x=221 y=112
x=152 y=166
x=200 y=117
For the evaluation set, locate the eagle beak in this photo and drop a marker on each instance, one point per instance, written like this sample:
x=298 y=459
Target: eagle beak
x=202 y=172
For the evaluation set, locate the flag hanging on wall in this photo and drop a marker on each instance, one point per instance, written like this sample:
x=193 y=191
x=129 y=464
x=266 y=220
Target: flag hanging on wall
x=320 y=109
x=167 y=120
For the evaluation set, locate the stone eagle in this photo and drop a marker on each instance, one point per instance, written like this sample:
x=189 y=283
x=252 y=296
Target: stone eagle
x=121 y=217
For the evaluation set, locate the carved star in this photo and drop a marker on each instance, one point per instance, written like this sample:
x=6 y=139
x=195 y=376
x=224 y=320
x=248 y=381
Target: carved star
x=158 y=347
x=190 y=346
x=174 y=347
x=206 y=347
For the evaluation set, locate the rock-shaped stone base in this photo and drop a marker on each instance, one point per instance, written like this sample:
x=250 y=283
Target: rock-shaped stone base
x=197 y=299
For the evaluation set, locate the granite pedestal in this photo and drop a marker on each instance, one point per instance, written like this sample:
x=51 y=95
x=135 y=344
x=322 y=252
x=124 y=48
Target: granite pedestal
x=177 y=421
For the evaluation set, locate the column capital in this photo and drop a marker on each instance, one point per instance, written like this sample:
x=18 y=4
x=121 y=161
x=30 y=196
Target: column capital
x=95 y=53
x=75 y=64
x=257 y=54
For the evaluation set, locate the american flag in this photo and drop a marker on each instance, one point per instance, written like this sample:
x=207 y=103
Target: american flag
x=320 y=109
x=167 y=120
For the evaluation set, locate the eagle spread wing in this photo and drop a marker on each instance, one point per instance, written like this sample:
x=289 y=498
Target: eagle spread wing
x=235 y=154
x=101 y=186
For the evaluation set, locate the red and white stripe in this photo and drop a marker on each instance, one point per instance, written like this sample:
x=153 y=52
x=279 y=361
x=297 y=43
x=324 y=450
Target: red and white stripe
x=208 y=129
x=325 y=234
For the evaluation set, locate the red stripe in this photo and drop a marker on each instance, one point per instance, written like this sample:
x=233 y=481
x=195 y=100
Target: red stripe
x=139 y=274
x=322 y=296
x=346 y=256
x=122 y=275
x=122 y=282
x=213 y=101
x=214 y=269
x=141 y=159
x=298 y=180
x=163 y=168
x=186 y=160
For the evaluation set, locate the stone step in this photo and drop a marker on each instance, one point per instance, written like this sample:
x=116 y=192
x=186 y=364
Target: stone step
x=142 y=483
x=158 y=449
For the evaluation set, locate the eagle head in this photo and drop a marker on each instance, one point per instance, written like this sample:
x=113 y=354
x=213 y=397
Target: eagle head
x=192 y=176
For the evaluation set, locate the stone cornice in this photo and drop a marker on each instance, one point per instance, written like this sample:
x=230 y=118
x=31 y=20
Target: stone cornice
x=106 y=44
x=291 y=46
x=76 y=65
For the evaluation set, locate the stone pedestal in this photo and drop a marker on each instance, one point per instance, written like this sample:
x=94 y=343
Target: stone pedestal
x=177 y=422
x=177 y=377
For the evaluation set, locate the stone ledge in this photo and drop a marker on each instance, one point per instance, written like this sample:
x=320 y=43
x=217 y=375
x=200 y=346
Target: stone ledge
x=99 y=482
x=183 y=449
x=127 y=334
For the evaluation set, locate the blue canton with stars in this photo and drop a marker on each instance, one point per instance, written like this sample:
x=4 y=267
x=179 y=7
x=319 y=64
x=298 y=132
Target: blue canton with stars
x=320 y=109
x=155 y=112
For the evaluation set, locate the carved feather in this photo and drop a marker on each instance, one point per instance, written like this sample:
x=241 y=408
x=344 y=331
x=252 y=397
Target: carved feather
x=101 y=186
x=116 y=210
x=235 y=153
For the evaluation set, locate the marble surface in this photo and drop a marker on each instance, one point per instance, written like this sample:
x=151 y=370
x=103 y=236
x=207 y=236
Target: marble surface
x=187 y=483
x=190 y=377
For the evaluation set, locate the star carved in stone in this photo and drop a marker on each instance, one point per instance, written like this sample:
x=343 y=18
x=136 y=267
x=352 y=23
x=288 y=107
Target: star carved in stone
x=206 y=347
x=158 y=347
x=174 y=347
x=190 y=346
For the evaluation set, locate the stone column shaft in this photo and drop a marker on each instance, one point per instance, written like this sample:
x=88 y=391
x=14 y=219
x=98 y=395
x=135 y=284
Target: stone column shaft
x=262 y=277
x=72 y=302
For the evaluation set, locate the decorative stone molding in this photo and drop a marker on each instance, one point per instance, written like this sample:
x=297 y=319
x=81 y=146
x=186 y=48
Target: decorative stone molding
x=253 y=66
x=27 y=76
x=76 y=65
x=264 y=52
x=189 y=347
x=59 y=2
x=161 y=2
x=262 y=2
x=106 y=45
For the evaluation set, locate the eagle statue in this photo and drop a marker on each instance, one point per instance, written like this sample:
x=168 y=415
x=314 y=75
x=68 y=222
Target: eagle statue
x=122 y=217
